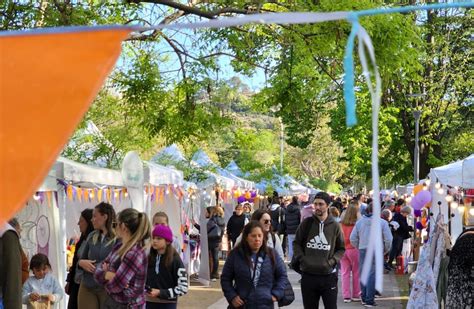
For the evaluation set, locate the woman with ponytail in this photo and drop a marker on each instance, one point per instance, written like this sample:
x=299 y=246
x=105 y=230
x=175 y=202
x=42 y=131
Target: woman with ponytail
x=123 y=272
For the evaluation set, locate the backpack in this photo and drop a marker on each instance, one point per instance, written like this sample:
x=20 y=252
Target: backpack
x=306 y=227
x=278 y=220
x=213 y=229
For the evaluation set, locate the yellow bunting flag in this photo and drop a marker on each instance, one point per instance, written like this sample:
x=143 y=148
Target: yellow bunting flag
x=69 y=192
x=108 y=194
x=99 y=195
x=79 y=194
x=49 y=197
x=48 y=79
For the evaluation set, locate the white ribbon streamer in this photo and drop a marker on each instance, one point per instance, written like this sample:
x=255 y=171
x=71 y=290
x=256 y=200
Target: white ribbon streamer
x=375 y=249
x=267 y=18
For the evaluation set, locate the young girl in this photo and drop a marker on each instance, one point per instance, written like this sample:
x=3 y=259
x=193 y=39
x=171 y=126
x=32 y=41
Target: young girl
x=123 y=272
x=42 y=287
x=162 y=218
x=166 y=277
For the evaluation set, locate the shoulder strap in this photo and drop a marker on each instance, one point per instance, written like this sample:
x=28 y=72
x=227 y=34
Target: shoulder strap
x=274 y=239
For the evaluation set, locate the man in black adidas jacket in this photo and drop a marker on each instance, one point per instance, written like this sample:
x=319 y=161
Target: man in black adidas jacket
x=318 y=246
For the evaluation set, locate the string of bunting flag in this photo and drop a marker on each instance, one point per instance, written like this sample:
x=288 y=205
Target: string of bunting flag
x=156 y=193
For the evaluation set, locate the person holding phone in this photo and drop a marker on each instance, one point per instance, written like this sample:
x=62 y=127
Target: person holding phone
x=166 y=276
x=95 y=249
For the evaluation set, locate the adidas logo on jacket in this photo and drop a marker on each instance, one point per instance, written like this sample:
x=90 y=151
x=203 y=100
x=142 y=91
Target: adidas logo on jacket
x=322 y=247
x=319 y=242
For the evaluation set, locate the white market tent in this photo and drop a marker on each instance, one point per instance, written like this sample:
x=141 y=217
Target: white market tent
x=172 y=152
x=284 y=185
x=50 y=222
x=460 y=174
x=234 y=169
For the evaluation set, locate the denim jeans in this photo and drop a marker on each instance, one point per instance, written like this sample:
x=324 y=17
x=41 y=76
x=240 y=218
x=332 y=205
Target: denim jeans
x=368 y=290
x=291 y=237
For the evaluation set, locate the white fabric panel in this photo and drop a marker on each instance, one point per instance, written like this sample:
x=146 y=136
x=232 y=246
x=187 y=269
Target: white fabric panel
x=171 y=206
x=468 y=172
x=459 y=173
x=74 y=208
x=162 y=175
x=41 y=232
x=81 y=173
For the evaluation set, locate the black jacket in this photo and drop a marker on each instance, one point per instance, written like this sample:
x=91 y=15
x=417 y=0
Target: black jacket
x=171 y=281
x=235 y=226
x=404 y=229
x=293 y=218
x=278 y=215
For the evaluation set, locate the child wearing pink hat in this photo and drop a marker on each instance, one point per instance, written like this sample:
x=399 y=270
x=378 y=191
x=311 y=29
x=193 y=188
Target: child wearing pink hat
x=166 y=276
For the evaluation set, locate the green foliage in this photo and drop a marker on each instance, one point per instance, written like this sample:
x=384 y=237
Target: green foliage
x=148 y=103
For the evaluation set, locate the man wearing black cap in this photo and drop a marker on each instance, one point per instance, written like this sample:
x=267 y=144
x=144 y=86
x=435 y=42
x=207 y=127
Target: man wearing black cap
x=318 y=247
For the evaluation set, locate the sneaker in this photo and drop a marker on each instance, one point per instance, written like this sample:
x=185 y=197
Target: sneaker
x=213 y=279
x=370 y=305
x=347 y=300
x=356 y=299
x=377 y=295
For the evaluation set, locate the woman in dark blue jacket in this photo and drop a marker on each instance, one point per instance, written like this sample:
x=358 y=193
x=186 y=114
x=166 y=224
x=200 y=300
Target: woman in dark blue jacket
x=253 y=275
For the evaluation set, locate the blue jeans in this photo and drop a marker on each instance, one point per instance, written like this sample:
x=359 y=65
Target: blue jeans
x=368 y=290
x=291 y=237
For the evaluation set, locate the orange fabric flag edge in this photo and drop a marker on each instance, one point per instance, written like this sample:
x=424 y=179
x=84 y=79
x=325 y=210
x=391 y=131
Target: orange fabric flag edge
x=48 y=79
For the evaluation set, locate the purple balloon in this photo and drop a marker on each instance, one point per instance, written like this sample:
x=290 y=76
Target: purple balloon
x=419 y=226
x=417 y=213
x=421 y=199
x=241 y=199
x=253 y=194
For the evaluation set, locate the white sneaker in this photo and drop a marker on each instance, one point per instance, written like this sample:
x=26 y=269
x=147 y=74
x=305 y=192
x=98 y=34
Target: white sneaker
x=213 y=279
x=347 y=300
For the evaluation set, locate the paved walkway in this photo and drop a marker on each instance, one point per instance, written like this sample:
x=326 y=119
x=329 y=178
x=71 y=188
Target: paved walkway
x=391 y=297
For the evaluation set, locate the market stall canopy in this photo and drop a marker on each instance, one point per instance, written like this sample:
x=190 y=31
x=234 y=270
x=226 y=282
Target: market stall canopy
x=234 y=168
x=86 y=175
x=162 y=175
x=459 y=173
x=284 y=185
x=202 y=160
x=171 y=153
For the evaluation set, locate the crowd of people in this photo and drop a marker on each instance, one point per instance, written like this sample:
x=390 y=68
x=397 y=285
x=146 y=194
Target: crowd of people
x=318 y=238
x=112 y=266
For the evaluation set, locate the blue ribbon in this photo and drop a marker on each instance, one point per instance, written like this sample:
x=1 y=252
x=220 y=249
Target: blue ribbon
x=349 y=94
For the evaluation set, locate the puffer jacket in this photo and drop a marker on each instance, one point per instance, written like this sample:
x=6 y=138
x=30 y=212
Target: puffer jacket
x=293 y=218
x=236 y=280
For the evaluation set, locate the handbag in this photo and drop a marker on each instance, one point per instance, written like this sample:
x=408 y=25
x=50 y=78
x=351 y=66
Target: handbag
x=42 y=304
x=288 y=294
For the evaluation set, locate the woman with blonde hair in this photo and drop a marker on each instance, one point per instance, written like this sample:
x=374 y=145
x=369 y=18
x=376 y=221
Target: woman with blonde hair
x=123 y=273
x=350 y=260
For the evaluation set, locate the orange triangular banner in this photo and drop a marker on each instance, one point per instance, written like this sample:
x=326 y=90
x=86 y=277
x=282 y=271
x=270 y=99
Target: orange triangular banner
x=48 y=79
